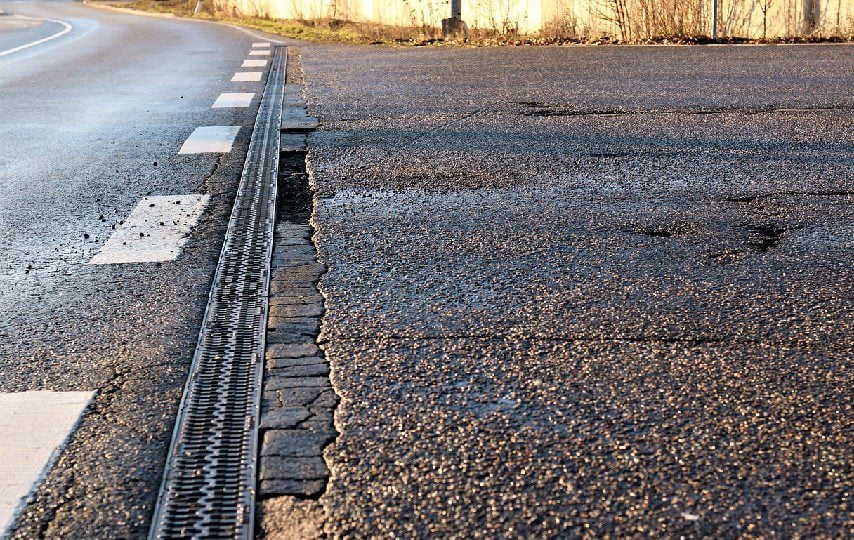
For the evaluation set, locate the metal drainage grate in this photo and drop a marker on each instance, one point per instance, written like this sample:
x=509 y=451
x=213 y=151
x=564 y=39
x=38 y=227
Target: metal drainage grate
x=208 y=488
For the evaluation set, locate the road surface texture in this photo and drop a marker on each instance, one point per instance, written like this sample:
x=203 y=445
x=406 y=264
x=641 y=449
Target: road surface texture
x=90 y=123
x=586 y=291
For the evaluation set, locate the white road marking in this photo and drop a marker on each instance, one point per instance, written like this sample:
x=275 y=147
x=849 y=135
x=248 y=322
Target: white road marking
x=33 y=429
x=253 y=63
x=65 y=29
x=247 y=76
x=261 y=44
x=259 y=53
x=210 y=139
x=155 y=231
x=237 y=99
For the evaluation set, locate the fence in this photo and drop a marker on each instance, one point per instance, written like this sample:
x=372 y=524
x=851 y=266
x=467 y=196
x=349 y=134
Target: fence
x=623 y=19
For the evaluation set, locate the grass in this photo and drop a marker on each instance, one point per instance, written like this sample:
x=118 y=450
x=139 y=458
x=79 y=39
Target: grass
x=323 y=30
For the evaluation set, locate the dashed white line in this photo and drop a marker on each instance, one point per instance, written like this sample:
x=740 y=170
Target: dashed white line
x=261 y=44
x=66 y=28
x=155 y=231
x=254 y=63
x=247 y=76
x=33 y=429
x=259 y=52
x=233 y=99
x=210 y=139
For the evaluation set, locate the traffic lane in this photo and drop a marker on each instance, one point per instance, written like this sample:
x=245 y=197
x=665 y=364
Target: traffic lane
x=525 y=437
x=457 y=225
x=16 y=31
x=24 y=34
x=90 y=149
x=82 y=155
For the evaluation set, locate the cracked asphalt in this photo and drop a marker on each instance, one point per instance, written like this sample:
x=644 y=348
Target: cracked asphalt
x=90 y=124
x=586 y=291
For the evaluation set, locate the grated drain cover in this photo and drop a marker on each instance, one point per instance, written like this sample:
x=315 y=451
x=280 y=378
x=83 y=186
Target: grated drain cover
x=208 y=488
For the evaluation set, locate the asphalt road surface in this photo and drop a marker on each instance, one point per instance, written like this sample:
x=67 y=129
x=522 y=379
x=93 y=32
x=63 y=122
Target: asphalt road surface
x=587 y=291
x=571 y=291
x=91 y=122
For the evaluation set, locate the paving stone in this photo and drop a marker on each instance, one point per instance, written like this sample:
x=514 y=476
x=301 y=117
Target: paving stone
x=296 y=276
x=290 y=333
x=302 y=371
x=321 y=414
x=294 y=296
x=327 y=399
x=304 y=348
x=285 y=242
x=287 y=260
x=300 y=124
x=297 y=231
x=284 y=261
x=270 y=399
x=313 y=268
x=288 y=311
x=294 y=442
x=289 y=228
x=302 y=321
x=277 y=383
x=304 y=488
x=293 y=142
x=284 y=335
x=283 y=417
x=278 y=363
x=304 y=326
x=298 y=397
x=289 y=289
x=303 y=235
x=292 y=114
x=292 y=468
x=321 y=426
x=305 y=253
x=281 y=337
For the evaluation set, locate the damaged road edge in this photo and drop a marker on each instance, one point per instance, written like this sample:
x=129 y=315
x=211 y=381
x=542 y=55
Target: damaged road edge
x=298 y=403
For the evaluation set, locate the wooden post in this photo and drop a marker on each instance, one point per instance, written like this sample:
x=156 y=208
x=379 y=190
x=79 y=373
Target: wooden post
x=714 y=19
x=811 y=16
x=454 y=25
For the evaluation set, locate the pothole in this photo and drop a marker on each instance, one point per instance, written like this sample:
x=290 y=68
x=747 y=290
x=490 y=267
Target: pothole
x=764 y=237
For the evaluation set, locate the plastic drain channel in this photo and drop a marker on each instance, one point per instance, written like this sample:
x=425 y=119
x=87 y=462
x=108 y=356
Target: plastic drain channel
x=208 y=488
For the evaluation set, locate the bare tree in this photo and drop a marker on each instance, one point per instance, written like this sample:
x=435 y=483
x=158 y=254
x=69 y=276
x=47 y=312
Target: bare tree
x=615 y=11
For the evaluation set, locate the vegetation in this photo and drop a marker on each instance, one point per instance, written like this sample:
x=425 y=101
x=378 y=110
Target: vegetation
x=619 y=21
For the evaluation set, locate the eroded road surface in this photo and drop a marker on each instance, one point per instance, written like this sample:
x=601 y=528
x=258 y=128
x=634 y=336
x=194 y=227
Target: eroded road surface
x=587 y=291
x=92 y=123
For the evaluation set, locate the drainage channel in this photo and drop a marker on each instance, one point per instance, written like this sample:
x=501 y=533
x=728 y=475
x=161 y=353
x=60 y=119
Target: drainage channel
x=208 y=488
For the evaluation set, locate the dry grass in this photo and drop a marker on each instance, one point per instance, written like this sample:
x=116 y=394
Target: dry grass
x=323 y=30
